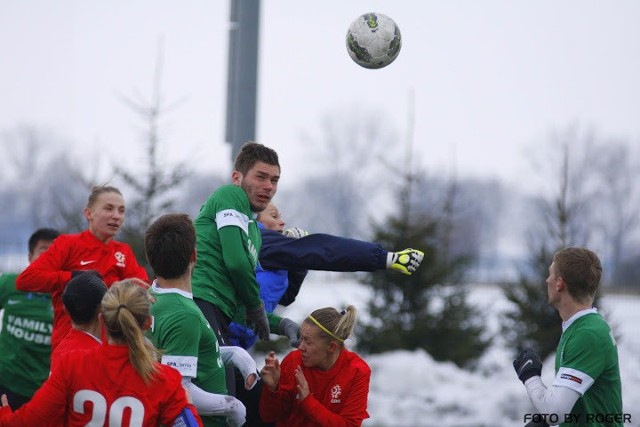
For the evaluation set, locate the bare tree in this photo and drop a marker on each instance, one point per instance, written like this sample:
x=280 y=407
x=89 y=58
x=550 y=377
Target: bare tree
x=154 y=183
x=337 y=199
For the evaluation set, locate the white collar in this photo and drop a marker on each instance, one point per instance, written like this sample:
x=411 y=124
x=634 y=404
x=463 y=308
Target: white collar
x=159 y=290
x=576 y=316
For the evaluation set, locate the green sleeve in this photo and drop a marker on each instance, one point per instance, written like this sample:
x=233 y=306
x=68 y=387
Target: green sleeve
x=239 y=266
x=274 y=322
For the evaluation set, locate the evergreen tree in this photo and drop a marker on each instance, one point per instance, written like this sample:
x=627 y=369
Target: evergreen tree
x=429 y=309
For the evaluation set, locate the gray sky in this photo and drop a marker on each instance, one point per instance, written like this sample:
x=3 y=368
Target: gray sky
x=488 y=77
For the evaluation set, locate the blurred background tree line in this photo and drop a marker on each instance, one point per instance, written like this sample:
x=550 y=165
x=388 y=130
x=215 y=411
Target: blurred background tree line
x=588 y=195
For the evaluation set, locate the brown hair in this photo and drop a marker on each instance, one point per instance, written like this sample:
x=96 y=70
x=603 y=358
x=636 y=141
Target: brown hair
x=125 y=308
x=339 y=324
x=580 y=269
x=97 y=190
x=169 y=243
x=250 y=153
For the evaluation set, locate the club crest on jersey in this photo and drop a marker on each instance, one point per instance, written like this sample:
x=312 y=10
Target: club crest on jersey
x=120 y=258
x=336 y=391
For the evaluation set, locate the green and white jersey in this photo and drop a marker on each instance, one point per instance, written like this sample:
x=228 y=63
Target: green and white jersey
x=224 y=274
x=587 y=362
x=25 y=339
x=187 y=342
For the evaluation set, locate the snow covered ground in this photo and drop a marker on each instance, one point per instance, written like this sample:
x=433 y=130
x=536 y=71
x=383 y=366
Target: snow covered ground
x=410 y=389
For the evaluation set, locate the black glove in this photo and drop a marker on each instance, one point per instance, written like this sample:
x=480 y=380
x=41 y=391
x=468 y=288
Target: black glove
x=527 y=364
x=76 y=273
x=257 y=319
x=291 y=330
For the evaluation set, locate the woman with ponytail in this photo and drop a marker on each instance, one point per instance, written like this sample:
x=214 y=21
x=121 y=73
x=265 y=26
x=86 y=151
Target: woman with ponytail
x=119 y=383
x=321 y=383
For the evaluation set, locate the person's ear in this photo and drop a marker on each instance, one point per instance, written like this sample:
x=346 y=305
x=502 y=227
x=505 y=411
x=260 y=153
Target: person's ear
x=88 y=214
x=236 y=178
x=333 y=346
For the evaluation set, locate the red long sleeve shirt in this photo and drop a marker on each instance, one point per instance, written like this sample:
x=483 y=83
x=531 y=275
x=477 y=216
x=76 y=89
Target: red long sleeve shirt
x=75 y=340
x=70 y=252
x=338 y=397
x=101 y=387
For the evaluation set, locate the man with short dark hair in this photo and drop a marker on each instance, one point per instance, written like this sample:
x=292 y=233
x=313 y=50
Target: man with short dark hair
x=587 y=381
x=182 y=332
x=228 y=243
x=25 y=339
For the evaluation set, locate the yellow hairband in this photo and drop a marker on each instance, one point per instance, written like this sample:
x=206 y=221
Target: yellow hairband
x=325 y=329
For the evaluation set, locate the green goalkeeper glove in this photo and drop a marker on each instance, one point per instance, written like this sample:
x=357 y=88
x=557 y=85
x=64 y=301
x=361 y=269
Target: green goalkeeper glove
x=406 y=261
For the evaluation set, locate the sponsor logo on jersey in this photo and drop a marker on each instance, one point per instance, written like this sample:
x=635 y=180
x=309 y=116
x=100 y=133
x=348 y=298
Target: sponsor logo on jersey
x=253 y=251
x=120 y=258
x=336 y=391
x=83 y=262
x=13 y=301
x=571 y=378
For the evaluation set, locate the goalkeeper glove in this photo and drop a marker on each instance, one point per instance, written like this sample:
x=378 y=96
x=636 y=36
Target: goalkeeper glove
x=406 y=261
x=295 y=232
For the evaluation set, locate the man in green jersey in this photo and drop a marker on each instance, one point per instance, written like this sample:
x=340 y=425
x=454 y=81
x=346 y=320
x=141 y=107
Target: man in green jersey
x=180 y=329
x=586 y=390
x=228 y=242
x=25 y=339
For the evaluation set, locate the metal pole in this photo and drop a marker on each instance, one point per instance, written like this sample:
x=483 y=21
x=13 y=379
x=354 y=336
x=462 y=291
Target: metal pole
x=242 y=85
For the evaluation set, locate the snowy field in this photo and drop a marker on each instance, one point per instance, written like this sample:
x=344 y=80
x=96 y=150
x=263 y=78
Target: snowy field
x=410 y=389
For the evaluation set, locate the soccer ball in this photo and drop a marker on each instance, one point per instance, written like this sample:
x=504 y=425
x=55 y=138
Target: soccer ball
x=373 y=40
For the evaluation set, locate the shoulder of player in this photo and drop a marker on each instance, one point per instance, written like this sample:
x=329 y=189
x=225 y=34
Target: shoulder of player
x=175 y=308
x=356 y=362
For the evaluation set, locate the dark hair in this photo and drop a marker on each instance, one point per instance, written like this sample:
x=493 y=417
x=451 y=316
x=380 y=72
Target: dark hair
x=169 y=243
x=97 y=190
x=125 y=308
x=335 y=325
x=580 y=269
x=82 y=297
x=251 y=153
x=42 y=234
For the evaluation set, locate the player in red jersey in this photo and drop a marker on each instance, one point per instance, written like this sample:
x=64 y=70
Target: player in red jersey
x=93 y=249
x=321 y=383
x=119 y=383
x=82 y=298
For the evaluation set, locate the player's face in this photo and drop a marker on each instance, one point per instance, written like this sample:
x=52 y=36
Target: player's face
x=41 y=247
x=552 y=280
x=106 y=216
x=271 y=219
x=314 y=347
x=260 y=183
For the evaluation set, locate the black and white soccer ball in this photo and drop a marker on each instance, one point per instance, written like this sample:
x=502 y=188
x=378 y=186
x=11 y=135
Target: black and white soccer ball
x=373 y=40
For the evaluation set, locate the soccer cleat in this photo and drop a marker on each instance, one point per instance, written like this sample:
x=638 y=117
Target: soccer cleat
x=406 y=261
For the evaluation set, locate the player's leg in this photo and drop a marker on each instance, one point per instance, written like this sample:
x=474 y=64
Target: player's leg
x=219 y=322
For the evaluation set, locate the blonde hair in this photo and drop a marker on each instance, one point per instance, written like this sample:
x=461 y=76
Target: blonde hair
x=97 y=190
x=125 y=308
x=335 y=325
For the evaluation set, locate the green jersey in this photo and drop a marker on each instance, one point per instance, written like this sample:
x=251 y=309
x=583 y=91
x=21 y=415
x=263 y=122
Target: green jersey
x=25 y=339
x=188 y=343
x=228 y=244
x=587 y=362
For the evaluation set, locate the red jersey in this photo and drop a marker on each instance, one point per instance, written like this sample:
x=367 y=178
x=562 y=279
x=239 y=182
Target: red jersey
x=51 y=271
x=101 y=387
x=338 y=397
x=75 y=340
